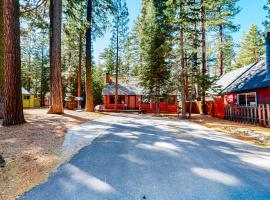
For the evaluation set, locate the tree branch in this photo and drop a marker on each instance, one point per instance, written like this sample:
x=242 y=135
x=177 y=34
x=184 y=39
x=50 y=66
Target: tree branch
x=39 y=3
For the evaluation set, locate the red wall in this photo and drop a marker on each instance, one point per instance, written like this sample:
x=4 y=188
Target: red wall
x=219 y=108
x=263 y=96
x=230 y=99
x=165 y=107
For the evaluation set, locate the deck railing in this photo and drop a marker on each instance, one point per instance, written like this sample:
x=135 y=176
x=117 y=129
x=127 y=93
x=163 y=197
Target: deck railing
x=258 y=115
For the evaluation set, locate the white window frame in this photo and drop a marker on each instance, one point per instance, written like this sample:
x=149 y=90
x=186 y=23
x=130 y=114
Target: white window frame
x=246 y=94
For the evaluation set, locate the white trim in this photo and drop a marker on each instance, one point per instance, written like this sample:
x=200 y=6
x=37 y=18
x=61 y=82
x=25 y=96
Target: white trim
x=246 y=94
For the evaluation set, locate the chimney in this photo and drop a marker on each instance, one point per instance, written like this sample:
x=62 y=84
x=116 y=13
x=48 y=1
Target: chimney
x=108 y=78
x=267 y=43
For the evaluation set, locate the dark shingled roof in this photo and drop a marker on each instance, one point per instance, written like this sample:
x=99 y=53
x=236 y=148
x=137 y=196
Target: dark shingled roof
x=252 y=78
x=129 y=86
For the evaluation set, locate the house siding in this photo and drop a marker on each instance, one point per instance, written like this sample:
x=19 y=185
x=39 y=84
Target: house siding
x=263 y=95
x=133 y=102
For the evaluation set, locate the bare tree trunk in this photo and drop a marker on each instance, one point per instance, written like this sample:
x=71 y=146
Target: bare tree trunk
x=220 y=54
x=117 y=65
x=195 y=58
x=183 y=78
x=203 y=57
x=1 y=60
x=13 y=106
x=55 y=57
x=89 y=105
x=42 y=82
x=29 y=63
x=158 y=105
x=80 y=70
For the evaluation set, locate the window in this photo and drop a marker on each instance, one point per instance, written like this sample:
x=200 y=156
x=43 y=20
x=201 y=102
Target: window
x=251 y=99
x=247 y=99
x=242 y=100
x=112 y=99
x=162 y=99
x=120 y=100
x=26 y=97
x=171 y=100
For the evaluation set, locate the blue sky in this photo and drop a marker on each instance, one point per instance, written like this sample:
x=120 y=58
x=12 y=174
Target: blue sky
x=252 y=13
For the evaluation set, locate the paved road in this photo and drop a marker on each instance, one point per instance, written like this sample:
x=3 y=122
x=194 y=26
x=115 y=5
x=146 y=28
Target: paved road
x=138 y=157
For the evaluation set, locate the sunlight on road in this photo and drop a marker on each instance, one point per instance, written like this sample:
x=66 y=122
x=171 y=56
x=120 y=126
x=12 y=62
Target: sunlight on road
x=217 y=176
x=262 y=162
x=85 y=179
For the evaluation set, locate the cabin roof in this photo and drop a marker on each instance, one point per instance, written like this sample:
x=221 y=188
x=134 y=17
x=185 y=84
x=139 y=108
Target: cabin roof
x=127 y=86
x=25 y=91
x=251 y=79
x=231 y=76
x=247 y=78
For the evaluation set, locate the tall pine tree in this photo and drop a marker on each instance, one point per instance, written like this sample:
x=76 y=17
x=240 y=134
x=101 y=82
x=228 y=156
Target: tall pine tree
x=1 y=59
x=154 y=33
x=13 y=106
x=97 y=22
x=55 y=57
x=221 y=15
x=251 y=47
x=119 y=38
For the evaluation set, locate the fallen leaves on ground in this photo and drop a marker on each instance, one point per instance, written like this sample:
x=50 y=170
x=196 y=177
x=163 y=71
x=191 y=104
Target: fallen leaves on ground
x=32 y=150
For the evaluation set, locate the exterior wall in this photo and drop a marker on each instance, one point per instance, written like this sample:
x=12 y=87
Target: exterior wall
x=230 y=99
x=28 y=103
x=134 y=102
x=219 y=108
x=263 y=96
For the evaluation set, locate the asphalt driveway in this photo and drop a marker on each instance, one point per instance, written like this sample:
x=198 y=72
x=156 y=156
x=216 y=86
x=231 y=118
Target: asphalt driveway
x=134 y=157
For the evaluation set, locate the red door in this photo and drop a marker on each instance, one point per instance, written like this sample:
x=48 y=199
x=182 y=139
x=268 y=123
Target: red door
x=132 y=102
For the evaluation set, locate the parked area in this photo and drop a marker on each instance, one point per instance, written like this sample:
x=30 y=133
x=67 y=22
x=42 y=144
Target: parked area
x=32 y=150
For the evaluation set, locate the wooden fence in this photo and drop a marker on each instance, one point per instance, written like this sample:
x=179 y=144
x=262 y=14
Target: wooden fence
x=258 y=115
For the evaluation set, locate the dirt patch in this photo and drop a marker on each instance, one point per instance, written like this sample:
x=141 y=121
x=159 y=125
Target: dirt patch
x=32 y=150
x=255 y=134
x=247 y=132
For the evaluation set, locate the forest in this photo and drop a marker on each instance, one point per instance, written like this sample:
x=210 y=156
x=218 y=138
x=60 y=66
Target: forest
x=186 y=45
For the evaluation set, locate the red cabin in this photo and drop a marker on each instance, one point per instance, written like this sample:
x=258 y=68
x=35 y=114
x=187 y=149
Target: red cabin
x=245 y=87
x=132 y=98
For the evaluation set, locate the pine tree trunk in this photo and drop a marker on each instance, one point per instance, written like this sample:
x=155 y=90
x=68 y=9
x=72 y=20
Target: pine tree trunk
x=89 y=105
x=55 y=57
x=42 y=82
x=80 y=70
x=29 y=65
x=1 y=60
x=220 y=54
x=117 y=66
x=203 y=57
x=183 y=78
x=13 y=106
x=195 y=58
